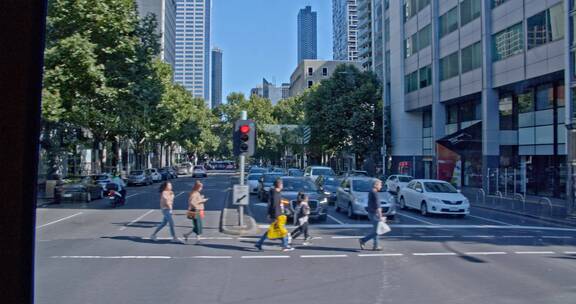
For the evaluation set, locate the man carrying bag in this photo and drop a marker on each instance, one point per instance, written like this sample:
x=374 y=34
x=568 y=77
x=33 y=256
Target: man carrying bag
x=378 y=221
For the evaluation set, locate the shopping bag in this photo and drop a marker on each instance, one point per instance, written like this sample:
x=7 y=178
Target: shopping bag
x=278 y=228
x=382 y=228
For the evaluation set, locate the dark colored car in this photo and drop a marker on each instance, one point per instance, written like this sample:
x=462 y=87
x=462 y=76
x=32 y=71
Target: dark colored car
x=265 y=183
x=329 y=184
x=295 y=172
x=83 y=191
x=165 y=174
x=317 y=200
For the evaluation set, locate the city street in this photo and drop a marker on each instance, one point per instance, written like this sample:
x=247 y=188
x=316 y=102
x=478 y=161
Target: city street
x=94 y=254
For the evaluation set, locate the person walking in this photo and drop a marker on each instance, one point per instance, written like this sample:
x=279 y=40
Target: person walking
x=276 y=213
x=196 y=203
x=301 y=216
x=375 y=216
x=166 y=205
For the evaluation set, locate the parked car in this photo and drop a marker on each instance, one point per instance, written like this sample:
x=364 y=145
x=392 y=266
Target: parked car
x=258 y=170
x=265 y=183
x=139 y=177
x=172 y=172
x=84 y=191
x=295 y=172
x=329 y=184
x=184 y=168
x=433 y=197
x=397 y=182
x=156 y=176
x=317 y=200
x=199 y=171
x=355 y=173
x=165 y=174
x=102 y=179
x=253 y=182
x=315 y=171
x=352 y=197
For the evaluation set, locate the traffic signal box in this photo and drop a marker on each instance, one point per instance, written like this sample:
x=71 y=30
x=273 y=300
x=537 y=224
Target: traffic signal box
x=244 y=137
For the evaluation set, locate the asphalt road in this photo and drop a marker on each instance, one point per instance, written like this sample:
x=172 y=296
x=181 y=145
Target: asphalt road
x=90 y=253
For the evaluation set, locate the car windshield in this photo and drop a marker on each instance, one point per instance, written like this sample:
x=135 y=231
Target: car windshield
x=361 y=185
x=332 y=182
x=270 y=178
x=254 y=176
x=100 y=177
x=296 y=185
x=404 y=179
x=138 y=172
x=198 y=168
x=439 y=187
x=323 y=171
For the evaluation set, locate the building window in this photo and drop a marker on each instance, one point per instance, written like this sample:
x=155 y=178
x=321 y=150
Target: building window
x=495 y=3
x=411 y=45
x=526 y=102
x=508 y=42
x=324 y=71
x=310 y=71
x=471 y=57
x=469 y=10
x=506 y=109
x=560 y=100
x=410 y=9
x=449 y=66
x=546 y=26
x=425 y=76
x=449 y=22
x=387 y=30
x=310 y=83
x=411 y=82
x=452 y=114
x=427 y=119
x=424 y=37
x=468 y=111
x=544 y=97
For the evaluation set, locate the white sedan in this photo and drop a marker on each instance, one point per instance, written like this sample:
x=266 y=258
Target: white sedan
x=433 y=196
x=199 y=171
x=397 y=182
x=253 y=180
x=156 y=176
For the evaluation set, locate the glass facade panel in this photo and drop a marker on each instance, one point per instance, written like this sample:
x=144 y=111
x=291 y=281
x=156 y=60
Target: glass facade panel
x=469 y=10
x=449 y=66
x=411 y=82
x=526 y=102
x=425 y=76
x=449 y=22
x=471 y=57
x=544 y=97
x=506 y=109
x=452 y=114
x=546 y=26
x=508 y=42
x=544 y=135
x=411 y=45
x=526 y=136
x=424 y=37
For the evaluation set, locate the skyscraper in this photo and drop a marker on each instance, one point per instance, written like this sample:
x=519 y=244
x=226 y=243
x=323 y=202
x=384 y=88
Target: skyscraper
x=307 y=46
x=365 y=33
x=216 y=96
x=165 y=13
x=345 y=30
x=193 y=46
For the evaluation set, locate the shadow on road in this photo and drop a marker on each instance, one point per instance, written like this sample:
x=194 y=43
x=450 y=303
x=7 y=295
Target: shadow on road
x=138 y=239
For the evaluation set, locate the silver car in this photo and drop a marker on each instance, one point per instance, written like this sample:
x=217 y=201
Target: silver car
x=352 y=197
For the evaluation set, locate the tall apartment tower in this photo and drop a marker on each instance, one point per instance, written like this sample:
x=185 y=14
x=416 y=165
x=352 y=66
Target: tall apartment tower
x=307 y=34
x=216 y=96
x=193 y=46
x=345 y=30
x=365 y=33
x=165 y=13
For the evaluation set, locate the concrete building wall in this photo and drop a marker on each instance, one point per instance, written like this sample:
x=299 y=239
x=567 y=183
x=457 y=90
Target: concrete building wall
x=310 y=72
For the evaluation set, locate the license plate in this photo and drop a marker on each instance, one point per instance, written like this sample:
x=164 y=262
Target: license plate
x=453 y=209
x=67 y=195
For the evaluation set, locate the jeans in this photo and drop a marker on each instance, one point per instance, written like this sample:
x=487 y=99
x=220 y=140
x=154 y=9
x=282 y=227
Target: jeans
x=166 y=220
x=374 y=219
x=265 y=236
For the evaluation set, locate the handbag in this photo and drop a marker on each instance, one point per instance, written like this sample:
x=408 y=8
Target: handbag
x=382 y=228
x=192 y=214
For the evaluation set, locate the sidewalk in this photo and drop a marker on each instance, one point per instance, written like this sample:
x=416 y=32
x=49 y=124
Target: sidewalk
x=229 y=218
x=553 y=210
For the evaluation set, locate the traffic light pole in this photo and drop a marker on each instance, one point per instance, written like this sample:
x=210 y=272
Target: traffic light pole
x=242 y=165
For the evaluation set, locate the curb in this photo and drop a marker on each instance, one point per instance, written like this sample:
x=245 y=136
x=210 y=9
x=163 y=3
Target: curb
x=546 y=219
x=251 y=226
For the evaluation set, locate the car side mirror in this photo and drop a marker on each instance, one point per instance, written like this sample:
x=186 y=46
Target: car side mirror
x=347 y=190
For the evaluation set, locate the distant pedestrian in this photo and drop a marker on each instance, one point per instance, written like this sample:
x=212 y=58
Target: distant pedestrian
x=374 y=214
x=195 y=212
x=166 y=205
x=276 y=213
x=301 y=216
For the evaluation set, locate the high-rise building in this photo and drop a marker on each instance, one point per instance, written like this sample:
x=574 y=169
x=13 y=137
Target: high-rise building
x=216 y=96
x=365 y=33
x=480 y=92
x=307 y=34
x=165 y=13
x=269 y=90
x=193 y=46
x=345 y=30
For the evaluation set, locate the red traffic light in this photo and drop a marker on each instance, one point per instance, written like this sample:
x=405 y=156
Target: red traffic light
x=244 y=129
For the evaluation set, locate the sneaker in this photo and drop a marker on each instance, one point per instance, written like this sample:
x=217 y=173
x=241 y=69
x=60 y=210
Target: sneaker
x=289 y=239
x=286 y=249
x=377 y=249
x=305 y=243
x=153 y=237
x=258 y=247
x=308 y=239
x=362 y=245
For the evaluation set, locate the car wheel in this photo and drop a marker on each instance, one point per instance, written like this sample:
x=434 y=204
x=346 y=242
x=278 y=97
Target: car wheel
x=424 y=209
x=350 y=212
x=402 y=203
x=88 y=197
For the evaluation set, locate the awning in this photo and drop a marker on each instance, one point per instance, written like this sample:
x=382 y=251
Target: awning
x=465 y=140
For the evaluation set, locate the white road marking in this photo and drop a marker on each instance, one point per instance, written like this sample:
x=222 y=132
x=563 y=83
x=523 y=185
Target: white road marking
x=487 y=253
x=534 y=252
x=346 y=237
x=336 y=220
x=361 y=226
x=435 y=236
x=111 y=257
x=569 y=252
x=478 y=236
x=518 y=236
x=556 y=237
x=57 y=221
x=324 y=256
x=211 y=257
x=136 y=220
x=265 y=257
x=433 y=253
x=490 y=220
x=380 y=254
x=179 y=194
x=415 y=218
x=131 y=195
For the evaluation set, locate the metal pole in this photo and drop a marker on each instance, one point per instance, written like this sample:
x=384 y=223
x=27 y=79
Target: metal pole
x=505 y=181
x=514 y=181
x=497 y=180
x=242 y=165
x=488 y=181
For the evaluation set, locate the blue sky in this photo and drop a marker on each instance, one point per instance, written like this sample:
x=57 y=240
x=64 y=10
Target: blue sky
x=258 y=38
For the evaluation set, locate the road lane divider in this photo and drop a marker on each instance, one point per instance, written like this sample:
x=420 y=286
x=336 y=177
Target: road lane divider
x=535 y=252
x=487 y=253
x=58 y=221
x=434 y=253
x=312 y=256
x=136 y=220
x=265 y=257
x=489 y=220
x=380 y=254
x=336 y=220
